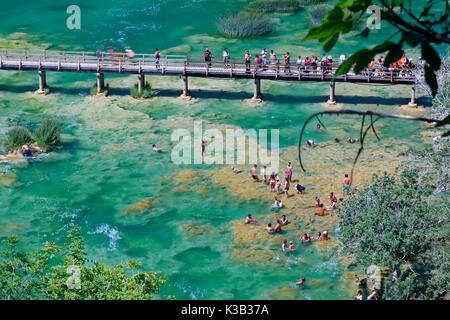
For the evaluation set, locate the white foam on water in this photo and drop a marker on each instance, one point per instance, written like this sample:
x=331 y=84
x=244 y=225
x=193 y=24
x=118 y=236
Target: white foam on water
x=111 y=232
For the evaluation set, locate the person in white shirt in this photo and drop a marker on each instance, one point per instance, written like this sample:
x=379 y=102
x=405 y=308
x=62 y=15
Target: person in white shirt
x=342 y=58
x=225 y=56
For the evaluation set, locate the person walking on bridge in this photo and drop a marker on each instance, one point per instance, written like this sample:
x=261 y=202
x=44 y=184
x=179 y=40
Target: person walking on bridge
x=99 y=54
x=247 y=61
x=157 y=55
x=207 y=55
x=287 y=63
x=225 y=56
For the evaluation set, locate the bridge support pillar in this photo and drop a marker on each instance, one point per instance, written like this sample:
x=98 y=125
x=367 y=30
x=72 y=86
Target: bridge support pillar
x=141 y=83
x=332 y=99
x=43 y=89
x=100 y=83
x=185 y=95
x=257 y=96
x=412 y=103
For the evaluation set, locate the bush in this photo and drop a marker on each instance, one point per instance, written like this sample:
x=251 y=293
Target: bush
x=48 y=134
x=146 y=91
x=17 y=137
x=245 y=24
x=317 y=13
x=264 y=6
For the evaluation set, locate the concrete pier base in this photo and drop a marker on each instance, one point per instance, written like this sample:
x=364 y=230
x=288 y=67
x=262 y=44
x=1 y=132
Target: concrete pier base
x=412 y=103
x=257 y=96
x=141 y=83
x=332 y=99
x=43 y=89
x=185 y=95
x=100 y=84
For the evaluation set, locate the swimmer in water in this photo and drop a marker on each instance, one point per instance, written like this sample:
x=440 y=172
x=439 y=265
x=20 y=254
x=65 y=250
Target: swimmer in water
x=253 y=173
x=319 y=128
x=289 y=172
x=299 y=188
x=249 y=219
x=269 y=228
x=351 y=140
x=156 y=149
x=284 y=221
x=345 y=184
x=286 y=187
x=236 y=170
x=291 y=246
x=359 y=296
x=272 y=183
x=301 y=281
x=264 y=174
x=337 y=140
x=278 y=204
x=320 y=210
x=310 y=143
x=317 y=201
x=325 y=235
x=278 y=226
x=283 y=245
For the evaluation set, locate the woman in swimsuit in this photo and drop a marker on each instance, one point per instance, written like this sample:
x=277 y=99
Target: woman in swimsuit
x=283 y=245
x=291 y=246
x=289 y=172
x=286 y=187
x=272 y=182
x=278 y=226
x=284 y=221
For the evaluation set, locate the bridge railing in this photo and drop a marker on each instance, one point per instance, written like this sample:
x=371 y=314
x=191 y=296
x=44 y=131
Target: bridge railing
x=233 y=64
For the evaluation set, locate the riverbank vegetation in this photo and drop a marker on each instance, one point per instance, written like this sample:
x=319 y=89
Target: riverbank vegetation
x=146 y=91
x=47 y=137
x=65 y=273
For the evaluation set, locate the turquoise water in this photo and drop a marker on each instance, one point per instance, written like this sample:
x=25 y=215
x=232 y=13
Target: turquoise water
x=106 y=163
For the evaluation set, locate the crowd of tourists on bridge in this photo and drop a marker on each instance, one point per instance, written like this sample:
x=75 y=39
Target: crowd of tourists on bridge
x=266 y=61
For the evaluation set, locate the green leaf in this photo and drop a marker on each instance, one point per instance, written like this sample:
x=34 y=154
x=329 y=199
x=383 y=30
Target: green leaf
x=430 y=79
x=444 y=122
x=431 y=56
x=395 y=53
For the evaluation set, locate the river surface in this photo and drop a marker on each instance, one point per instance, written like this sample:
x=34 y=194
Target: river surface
x=184 y=221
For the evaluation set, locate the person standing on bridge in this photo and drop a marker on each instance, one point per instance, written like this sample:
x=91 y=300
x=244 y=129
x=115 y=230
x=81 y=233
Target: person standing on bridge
x=207 y=55
x=225 y=56
x=287 y=63
x=111 y=54
x=257 y=63
x=273 y=59
x=99 y=54
x=129 y=53
x=157 y=55
x=247 y=61
x=264 y=57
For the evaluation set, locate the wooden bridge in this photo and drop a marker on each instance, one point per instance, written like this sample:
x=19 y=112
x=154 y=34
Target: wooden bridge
x=189 y=66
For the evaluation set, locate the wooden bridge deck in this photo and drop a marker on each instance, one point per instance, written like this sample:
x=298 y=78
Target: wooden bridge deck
x=145 y=64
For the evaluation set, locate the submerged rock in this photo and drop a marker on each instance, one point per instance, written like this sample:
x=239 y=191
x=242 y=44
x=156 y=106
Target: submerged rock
x=141 y=206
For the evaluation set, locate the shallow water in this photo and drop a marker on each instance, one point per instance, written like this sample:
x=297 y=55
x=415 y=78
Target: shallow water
x=192 y=231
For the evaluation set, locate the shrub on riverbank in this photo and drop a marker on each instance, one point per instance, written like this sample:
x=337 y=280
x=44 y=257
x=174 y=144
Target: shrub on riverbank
x=266 y=6
x=64 y=273
x=48 y=134
x=94 y=90
x=17 y=137
x=244 y=24
x=402 y=224
x=146 y=91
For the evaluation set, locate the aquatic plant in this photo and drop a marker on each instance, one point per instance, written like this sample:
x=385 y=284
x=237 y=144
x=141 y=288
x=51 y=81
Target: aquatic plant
x=266 y=6
x=244 y=24
x=317 y=13
x=146 y=91
x=48 y=134
x=309 y=2
x=17 y=137
x=93 y=91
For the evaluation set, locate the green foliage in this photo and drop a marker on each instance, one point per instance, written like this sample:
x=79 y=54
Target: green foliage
x=146 y=91
x=414 y=30
x=266 y=6
x=45 y=274
x=17 y=137
x=48 y=134
x=402 y=225
x=244 y=24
